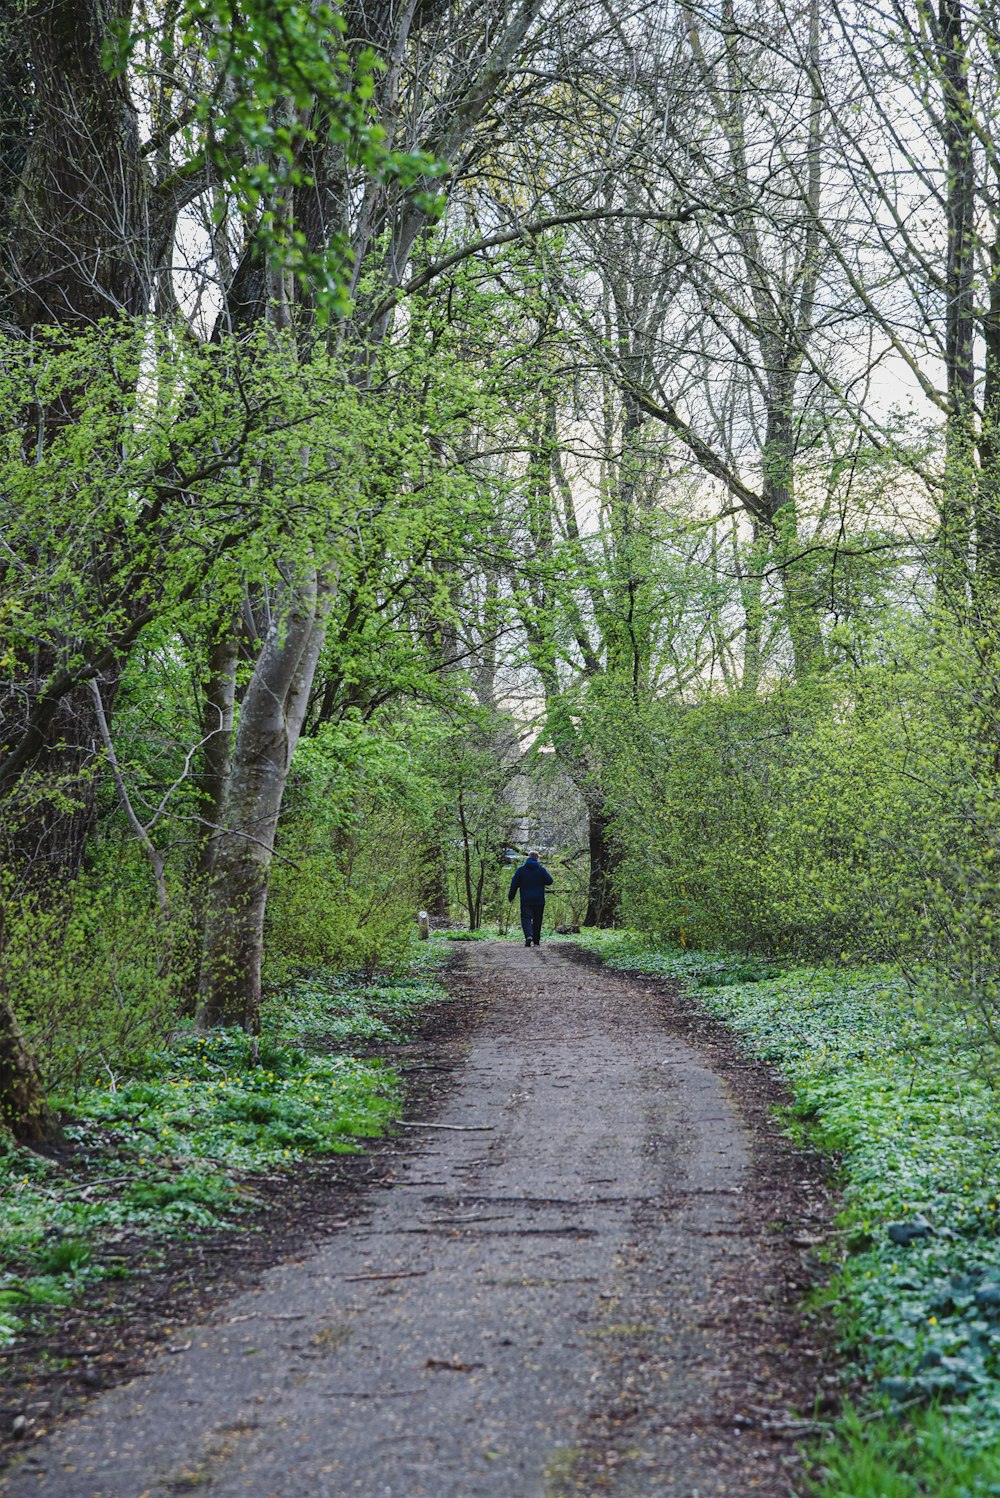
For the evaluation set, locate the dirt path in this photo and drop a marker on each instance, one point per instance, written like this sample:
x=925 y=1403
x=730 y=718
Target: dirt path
x=580 y=1283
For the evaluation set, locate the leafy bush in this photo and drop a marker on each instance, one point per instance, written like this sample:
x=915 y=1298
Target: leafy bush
x=851 y=816
x=91 y=979
x=315 y=919
x=347 y=897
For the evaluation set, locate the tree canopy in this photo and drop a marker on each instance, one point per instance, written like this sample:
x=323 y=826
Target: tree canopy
x=433 y=429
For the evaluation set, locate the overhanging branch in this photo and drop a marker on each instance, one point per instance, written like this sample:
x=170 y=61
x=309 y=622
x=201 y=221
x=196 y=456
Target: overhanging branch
x=529 y=230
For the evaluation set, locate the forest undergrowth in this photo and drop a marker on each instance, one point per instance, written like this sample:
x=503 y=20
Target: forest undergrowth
x=172 y=1148
x=913 y=1259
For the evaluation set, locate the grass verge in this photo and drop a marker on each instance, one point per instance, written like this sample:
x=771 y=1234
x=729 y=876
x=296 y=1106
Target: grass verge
x=173 y=1149
x=915 y=1256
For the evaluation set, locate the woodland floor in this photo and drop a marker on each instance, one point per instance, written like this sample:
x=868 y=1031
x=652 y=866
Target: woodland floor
x=578 y=1271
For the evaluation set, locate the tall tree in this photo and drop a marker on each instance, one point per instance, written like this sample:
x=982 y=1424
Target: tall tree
x=460 y=62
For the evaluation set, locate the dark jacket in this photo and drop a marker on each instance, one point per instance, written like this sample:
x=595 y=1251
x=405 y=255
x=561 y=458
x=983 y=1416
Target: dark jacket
x=531 y=879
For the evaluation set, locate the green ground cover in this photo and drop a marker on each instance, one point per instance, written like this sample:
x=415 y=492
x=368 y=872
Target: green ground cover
x=173 y=1148
x=915 y=1256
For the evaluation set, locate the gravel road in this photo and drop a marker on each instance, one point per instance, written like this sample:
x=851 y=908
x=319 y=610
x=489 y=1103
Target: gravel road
x=580 y=1282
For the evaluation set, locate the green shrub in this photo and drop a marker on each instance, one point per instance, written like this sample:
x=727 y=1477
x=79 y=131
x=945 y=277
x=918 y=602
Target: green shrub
x=854 y=815
x=314 y=921
x=92 y=980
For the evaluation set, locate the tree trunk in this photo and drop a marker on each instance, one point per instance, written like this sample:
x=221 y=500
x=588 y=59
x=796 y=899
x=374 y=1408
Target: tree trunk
x=960 y=215
x=602 y=900
x=778 y=496
x=988 y=494
x=435 y=892
x=23 y=1109
x=80 y=250
x=217 y=748
x=48 y=819
x=751 y=592
x=480 y=886
x=270 y=721
x=74 y=249
x=467 y=864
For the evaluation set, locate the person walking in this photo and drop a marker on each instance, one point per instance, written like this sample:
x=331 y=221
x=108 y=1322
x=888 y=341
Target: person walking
x=532 y=879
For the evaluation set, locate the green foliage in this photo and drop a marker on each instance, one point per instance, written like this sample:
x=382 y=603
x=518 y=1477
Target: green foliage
x=285 y=85
x=924 y=1458
x=854 y=814
x=316 y=917
x=475 y=774
x=90 y=977
x=356 y=829
x=915 y=1267
x=196 y=475
x=180 y=471
x=206 y=1098
x=722 y=839
x=329 y=1008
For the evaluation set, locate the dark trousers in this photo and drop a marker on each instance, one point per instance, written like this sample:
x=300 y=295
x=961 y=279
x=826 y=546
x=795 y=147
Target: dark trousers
x=531 y=920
